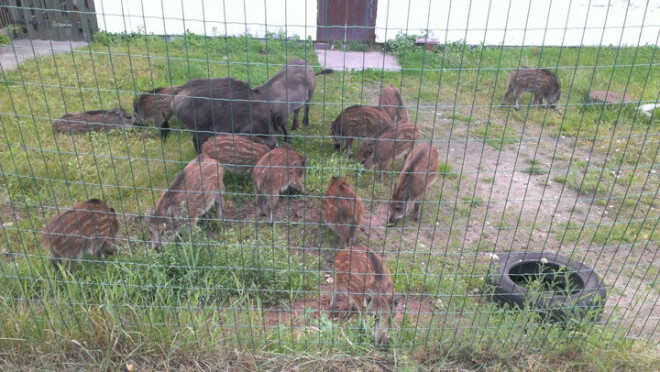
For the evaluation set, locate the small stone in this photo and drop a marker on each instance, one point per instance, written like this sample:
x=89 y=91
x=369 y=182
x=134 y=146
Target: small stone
x=8 y=224
x=544 y=260
x=439 y=304
x=494 y=257
x=329 y=280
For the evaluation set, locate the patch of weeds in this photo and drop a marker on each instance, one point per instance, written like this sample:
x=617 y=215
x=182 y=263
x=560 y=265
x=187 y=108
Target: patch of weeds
x=496 y=135
x=535 y=170
x=569 y=232
x=590 y=183
x=473 y=201
x=559 y=179
x=5 y=40
x=488 y=179
x=460 y=117
x=445 y=170
x=545 y=183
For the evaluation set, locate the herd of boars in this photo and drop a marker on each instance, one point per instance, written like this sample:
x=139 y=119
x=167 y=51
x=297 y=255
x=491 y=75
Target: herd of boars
x=235 y=129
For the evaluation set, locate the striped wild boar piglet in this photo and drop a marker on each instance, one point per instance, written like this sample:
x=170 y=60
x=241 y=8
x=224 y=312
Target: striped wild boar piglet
x=225 y=105
x=362 y=275
x=90 y=228
x=390 y=144
x=358 y=122
x=194 y=191
x=542 y=83
x=343 y=210
x=237 y=154
x=155 y=108
x=277 y=171
x=419 y=172
x=93 y=121
x=393 y=104
x=290 y=89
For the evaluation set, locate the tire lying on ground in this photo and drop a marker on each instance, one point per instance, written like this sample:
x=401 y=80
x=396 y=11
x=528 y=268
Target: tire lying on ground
x=566 y=289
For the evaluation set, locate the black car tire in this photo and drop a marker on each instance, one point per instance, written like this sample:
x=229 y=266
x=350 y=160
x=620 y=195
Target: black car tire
x=588 y=293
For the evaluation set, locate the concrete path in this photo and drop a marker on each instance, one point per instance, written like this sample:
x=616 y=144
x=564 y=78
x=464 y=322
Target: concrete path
x=339 y=60
x=25 y=50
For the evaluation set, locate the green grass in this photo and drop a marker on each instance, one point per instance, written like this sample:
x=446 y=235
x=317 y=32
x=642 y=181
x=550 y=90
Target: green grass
x=239 y=288
x=535 y=170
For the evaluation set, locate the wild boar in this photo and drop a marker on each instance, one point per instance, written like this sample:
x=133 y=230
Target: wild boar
x=392 y=143
x=275 y=172
x=155 y=107
x=225 y=105
x=290 y=89
x=543 y=83
x=419 y=172
x=90 y=228
x=93 y=121
x=362 y=275
x=358 y=122
x=237 y=154
x=393 y=104
x=194 y=191
x=343 y=211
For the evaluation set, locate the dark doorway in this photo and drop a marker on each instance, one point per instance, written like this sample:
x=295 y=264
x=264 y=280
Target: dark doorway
x=346 y=20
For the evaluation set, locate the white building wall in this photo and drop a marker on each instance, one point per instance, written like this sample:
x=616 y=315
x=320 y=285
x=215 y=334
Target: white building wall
x=208 y=17
x=523 y=22
x=492 y=22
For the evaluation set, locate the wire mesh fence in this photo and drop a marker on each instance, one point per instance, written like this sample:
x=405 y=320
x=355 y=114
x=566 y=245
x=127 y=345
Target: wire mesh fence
x=481 y=173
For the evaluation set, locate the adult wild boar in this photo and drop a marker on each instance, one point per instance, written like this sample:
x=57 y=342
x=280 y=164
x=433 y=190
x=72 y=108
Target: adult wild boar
x=290 y=89
x=225 y=105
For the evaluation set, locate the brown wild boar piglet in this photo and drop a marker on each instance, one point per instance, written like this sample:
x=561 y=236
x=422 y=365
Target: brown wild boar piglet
x=393 y=104
x=419 y=172
x=358 y=122
x=155 y=107
x=343 y=211
x=275 y=172
x=543 y=83
x=362 y=275
x=392 y=143
x=194 y=191
x=90 y=228
x=237 y=154
x=93 y=121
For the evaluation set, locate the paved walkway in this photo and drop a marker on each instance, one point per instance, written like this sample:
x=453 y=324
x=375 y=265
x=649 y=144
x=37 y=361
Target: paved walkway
x=24 y=50
x=339 y=60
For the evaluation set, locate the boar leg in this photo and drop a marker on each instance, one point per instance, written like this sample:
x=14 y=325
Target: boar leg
x=271 y=202
x=333 y=303
x=538 y=98
x=306 y=115
x=416 y=211
x=294 y=125
x=261 y=204
x=351 y=233
x=218 y=206
x=517 y=94
x=507 y=95
x=348 y=143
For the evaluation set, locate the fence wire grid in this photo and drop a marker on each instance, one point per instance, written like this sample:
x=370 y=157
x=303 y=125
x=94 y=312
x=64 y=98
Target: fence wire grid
x=418 y=202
